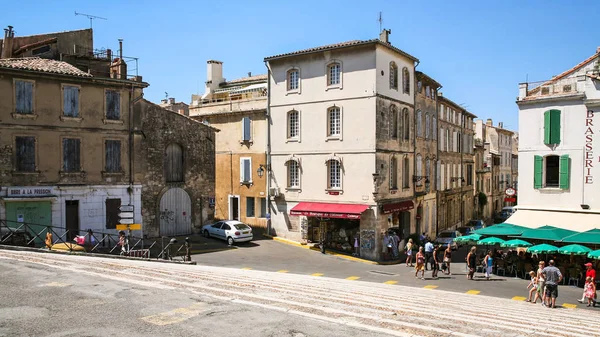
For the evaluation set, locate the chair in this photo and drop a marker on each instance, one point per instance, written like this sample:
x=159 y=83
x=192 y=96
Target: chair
x=574 y=277
x=563 y=272
x=500 y=267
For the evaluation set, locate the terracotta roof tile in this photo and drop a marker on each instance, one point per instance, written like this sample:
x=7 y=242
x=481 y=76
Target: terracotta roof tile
x=42 y=65
x=341 y=45
x=566 y=73
x=262 y=77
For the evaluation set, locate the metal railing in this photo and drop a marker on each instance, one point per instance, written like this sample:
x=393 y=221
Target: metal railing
x=89 y=241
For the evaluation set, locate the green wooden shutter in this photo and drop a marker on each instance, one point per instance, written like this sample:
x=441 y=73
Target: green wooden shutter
x=564 y=172
x=547 y=127
x=554 y=126
x=538 y=170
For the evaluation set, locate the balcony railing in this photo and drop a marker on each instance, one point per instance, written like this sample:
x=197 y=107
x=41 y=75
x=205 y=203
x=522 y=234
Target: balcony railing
x=566 y=86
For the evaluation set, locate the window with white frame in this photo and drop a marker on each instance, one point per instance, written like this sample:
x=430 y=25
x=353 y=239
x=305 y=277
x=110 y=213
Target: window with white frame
x=393 y=173
x=334 y=73
x=245 y=170
x=293 y=79
x=334 y=122
x=334 y=174
x=293 y=124
x=246 y=129
x=293 y=174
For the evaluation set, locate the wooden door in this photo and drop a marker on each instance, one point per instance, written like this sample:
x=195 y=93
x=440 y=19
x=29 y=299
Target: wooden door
x=72 y=218
x=175 y=213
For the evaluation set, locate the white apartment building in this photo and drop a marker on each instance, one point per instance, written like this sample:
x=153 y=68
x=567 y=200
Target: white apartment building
x=342 y=144
x=558 y=149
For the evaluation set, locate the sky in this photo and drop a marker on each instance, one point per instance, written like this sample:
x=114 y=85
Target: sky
x=478 y=50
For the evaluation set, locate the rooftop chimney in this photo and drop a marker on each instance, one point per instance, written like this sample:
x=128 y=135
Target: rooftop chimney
x=249 y=74
x=7 y=44
x=214 y=76
x=384 y=36
x=489 y=122
x=500 y=125
x=171 y=100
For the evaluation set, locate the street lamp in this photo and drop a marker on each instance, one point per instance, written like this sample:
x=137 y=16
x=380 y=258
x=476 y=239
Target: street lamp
x=260 y=171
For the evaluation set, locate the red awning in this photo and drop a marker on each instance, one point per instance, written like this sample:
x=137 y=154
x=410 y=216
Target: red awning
x=325 y=210
x=398 y=207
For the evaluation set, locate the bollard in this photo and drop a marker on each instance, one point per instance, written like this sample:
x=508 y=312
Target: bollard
x=188 y=249
x=171 y=243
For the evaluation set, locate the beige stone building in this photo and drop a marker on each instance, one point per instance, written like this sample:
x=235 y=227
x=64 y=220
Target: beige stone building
x=456 y=175
x=179 y=107
x=237 y=108
x=426 y=150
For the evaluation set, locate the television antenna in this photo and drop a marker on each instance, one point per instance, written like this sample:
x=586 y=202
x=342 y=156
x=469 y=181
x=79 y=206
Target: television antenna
x=380 y=21
x=91 y=17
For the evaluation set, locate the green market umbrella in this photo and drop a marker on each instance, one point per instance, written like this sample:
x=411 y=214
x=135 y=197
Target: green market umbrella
x=591 y=237
x=548 y=233
x=574 y=249
x=467 y=238
x=515 y=243
x=490 y=241
x=501 y=229
x=594 y=255
x=544 y=248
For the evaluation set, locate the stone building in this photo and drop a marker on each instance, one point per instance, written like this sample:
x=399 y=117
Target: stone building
x=483 y=182
x=342 y=144
x=179 y=107
x=426 y=147
x=456 y=184
x=238 y=109
x=174 y=163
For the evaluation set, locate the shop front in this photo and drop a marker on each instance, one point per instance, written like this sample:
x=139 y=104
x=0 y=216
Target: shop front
x=337 y=225
x=398 y=214
x=29 y=205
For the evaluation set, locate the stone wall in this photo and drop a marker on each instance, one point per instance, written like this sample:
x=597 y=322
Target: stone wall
x=155 y=129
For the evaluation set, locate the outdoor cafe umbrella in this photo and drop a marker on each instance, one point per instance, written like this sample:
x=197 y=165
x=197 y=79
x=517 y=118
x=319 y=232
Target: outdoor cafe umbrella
x=548 y=233
x=490 y=241
x=574 y=249
x=591 y=237
x=594 y=255
x=544 y=248
x=515 y=243
x=467 y=238
x=501 y=229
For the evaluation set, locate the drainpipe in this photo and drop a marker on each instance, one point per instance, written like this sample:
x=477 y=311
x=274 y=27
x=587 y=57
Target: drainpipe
x=268 y=154
x=415 y=146
x=132 y=101
x=437 y=156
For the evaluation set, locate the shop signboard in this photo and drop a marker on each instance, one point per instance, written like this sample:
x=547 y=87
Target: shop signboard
x=327 y=215
x=28 y=192
x=398 y=207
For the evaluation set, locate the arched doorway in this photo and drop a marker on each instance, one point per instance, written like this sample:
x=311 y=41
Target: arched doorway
x=175 y=213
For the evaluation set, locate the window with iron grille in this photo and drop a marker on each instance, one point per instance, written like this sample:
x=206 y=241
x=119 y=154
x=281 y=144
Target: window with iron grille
x=71 y=155
x=293 y=174
x=112 y=150
x=113 y=105
x=334 y=117
x=25 y=154
x=24 y=97
x=334 y=169
x=334 y=74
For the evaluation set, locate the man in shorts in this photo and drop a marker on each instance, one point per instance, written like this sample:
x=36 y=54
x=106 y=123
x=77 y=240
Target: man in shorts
x=553 y=278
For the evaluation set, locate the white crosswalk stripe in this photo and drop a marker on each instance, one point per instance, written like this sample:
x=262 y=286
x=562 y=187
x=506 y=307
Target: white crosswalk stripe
x=387 y=309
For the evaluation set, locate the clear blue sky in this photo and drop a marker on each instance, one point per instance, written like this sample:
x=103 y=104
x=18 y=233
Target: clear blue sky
x=478 y=50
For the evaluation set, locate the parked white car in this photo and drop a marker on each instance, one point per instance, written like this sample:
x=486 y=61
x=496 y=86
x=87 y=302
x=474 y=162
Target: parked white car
x=231 y=231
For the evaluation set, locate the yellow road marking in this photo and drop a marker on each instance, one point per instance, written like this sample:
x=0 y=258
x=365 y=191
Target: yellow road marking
x=519 y=298
x=316 y=274
x=176 y=315
x=569 y=306
x=390 y=282
x=352 y=278
x=430 y=287
x=283 y=271
x=246 y=268
x=57 y=284
x=473 y=292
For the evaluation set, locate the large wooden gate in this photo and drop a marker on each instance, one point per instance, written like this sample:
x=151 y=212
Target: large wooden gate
x=175 y=213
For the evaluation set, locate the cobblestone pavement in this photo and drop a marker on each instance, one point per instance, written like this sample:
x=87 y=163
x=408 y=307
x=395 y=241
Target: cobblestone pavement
x=320 y=306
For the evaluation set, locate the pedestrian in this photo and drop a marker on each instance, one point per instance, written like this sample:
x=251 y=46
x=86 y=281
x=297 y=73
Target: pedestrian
x=356 y=240
x=472 y=262
x=428 y=251
x=448 y=259
x=394 y=241
x=590 y=272
x=386 y=244
x=420 y=264
x=590 y=291
x=123 y=242
x=541 y=289
x=553 y=278
x=488 y=262
x=532 y=286
x=435 y=267
x=409 y=247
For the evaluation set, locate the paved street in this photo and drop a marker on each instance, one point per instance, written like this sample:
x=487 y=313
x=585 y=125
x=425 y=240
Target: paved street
x=268 y=255
x=60 y=295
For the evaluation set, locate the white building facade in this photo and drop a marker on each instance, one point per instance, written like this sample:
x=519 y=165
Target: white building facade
x=559 y=142
x=342 y=145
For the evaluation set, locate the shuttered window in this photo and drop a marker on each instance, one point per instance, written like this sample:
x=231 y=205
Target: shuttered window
x=70 y=101
x=405 y=124
x=245 y=170
x=174 y=163
x=71 y=155
x=393 y=173
x=552 y=127
x=564 y=172
x=405 y=173
x=246 y=134
x=24 y=97
x=250 y=207
x=113 y=105
x=25 y=154
x=112 y=150
x=263 y=207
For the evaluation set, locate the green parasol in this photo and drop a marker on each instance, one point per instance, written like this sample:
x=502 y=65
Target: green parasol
x=548 y=233
x=502 y=229
x=490 y=241
x=515 y=243
x=574 y=249
x=594 y=255
x=467 y=238
x=590 y=237
x=544 y=248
